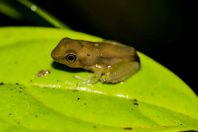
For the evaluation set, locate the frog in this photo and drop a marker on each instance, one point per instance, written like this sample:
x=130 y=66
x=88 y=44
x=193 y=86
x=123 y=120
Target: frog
x=110 y=61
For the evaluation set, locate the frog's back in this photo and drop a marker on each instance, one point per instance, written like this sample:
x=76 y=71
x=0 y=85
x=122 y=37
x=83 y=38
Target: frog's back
x=111 y=52
x=115 y=49
x=108 y=52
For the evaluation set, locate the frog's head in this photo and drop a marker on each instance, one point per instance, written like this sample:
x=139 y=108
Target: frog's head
x=66 y=52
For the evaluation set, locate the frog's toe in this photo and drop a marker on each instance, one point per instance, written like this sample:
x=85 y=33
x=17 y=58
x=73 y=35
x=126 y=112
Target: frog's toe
x=79 y=78
x=105 y=79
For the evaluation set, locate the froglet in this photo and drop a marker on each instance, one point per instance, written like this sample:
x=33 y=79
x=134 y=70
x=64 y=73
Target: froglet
x=110 y=61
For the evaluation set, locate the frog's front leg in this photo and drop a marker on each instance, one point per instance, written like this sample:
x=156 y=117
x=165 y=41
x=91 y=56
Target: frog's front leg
x=120 y=72
x=98 y=70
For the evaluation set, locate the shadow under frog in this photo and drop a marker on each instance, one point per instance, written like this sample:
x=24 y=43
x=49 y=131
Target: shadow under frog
x=62 y=67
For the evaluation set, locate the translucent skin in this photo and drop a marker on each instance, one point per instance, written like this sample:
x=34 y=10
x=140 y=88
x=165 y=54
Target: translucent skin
x=111 y=62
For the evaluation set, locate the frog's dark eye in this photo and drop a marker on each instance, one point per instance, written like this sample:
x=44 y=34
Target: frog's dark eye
x=70 y=57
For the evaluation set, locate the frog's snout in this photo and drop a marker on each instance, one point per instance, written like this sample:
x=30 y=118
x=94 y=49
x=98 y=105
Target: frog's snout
x=55 y=55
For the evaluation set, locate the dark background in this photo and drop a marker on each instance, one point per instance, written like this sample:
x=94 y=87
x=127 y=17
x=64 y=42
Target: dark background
x=165 y=30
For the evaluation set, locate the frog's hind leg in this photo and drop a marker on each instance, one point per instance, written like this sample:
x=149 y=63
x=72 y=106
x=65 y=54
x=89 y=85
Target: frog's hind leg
x=120 y=72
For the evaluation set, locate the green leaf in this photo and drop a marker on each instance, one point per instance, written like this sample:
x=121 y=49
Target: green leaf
x=24 y=9
x=6 y=9
x=43 y=14
x=154 y=99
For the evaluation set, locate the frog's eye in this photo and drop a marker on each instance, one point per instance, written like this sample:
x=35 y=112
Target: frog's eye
x=70 y=57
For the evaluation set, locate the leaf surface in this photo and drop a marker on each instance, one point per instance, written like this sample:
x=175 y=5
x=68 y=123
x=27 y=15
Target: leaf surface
x=154 y=99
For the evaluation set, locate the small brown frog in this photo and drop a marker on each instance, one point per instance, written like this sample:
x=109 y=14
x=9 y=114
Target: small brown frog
x=111 y=62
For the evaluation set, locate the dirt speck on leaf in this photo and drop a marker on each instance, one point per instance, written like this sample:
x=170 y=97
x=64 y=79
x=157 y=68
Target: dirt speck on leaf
x=135 y=102
x=127 y=128
x=1 y=83
x=43 y=73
